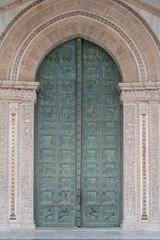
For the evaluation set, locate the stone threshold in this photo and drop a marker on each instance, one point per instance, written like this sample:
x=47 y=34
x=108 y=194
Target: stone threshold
x=79 y=233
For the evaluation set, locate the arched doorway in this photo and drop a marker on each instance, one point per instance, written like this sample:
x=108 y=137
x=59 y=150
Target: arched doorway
x=78 y=139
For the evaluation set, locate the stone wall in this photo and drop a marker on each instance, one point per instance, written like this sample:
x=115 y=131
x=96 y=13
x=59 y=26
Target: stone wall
x=119 y=30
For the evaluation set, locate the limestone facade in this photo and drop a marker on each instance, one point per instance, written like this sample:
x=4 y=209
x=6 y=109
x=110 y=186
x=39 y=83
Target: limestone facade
x=125 y=35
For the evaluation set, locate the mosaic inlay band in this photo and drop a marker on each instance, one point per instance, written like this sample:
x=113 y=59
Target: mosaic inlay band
x=78 y=131
x=144 y=169
x=12 y=179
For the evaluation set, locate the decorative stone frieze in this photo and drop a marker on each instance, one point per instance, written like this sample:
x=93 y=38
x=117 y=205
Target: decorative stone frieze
x=27 y=164
x=129 y=161
x=154 y=162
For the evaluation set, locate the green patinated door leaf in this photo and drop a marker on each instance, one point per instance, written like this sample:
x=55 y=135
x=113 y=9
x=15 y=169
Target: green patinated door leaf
x=100 y=139
x=77 y=138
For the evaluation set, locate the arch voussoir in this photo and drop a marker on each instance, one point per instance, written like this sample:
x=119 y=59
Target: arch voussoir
x=83 y=27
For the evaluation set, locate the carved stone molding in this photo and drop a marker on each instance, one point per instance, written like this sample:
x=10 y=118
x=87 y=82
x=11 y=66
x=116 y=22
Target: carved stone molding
x=7 y=5
x=138 y=86
x=129 y=167
x=19 y=85
x=145 y=6
x=154 y=162
x=27 y=164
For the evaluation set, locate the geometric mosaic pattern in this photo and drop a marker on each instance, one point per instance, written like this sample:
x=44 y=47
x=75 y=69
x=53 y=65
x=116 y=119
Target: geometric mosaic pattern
x=78 y=108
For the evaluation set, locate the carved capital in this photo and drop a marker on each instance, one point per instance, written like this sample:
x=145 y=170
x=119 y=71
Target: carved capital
x=128 y=96
x=13 y=108
x=18 y=95
x=143 y=109
x=139 y=92
x=18 y=91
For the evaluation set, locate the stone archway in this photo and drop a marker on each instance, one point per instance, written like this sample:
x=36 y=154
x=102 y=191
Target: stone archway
x=131 y=30
x=124 y=34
